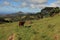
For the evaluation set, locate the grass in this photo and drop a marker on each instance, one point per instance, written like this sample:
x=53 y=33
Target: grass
x=43 y=29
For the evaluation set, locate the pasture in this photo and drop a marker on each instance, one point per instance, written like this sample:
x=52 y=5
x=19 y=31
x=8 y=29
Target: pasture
x=43 y=29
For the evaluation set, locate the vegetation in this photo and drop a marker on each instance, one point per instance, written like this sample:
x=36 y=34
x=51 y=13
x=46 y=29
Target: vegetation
x=43 y=29
x=46 y=12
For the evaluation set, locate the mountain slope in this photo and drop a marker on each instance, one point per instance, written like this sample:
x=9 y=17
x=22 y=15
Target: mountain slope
x=43 y=29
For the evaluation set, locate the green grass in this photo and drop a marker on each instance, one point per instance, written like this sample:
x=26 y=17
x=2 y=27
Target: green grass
x=43 y=29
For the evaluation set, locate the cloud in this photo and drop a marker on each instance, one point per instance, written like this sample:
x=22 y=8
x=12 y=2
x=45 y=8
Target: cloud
x=52 y=5
x=16 y=0
x=24 y=4
x=33 y=3
x=6 y=3
x=32 y=6
x=38 y=1
x=55 y=4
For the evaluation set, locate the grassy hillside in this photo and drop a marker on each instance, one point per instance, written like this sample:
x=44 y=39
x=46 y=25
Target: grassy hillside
x=43 y=29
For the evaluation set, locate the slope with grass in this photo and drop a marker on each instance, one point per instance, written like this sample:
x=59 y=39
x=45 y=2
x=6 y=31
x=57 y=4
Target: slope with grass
x=43 y=29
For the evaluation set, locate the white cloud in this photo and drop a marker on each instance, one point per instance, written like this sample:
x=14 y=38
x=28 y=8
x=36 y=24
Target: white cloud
x=24 y=4
x=16 y=0
x=55 y=4
x=6 y=3
x=27 y=3
x=34 y=3
x=52 y=5
x=32 y=6
x=38 y=1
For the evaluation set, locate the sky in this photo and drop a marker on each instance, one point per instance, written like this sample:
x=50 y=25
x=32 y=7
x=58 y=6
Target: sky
x=12 y=6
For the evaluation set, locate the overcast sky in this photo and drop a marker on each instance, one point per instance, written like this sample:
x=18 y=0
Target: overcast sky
x=10 y=6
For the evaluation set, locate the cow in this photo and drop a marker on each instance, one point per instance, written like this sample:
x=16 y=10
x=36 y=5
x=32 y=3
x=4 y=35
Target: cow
x=11 y=37
x=28 y=23
x=21 y=23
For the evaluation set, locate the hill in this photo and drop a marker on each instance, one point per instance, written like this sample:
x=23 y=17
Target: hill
x=45 y=12
x=42 y=29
